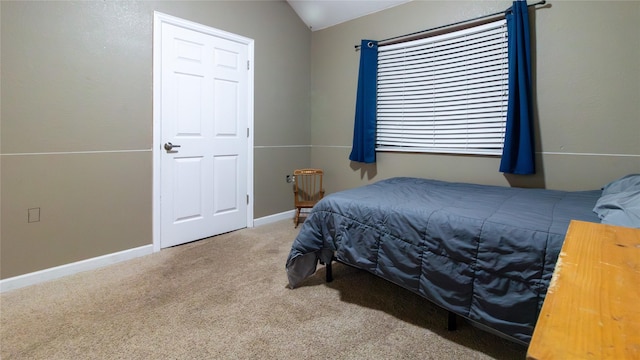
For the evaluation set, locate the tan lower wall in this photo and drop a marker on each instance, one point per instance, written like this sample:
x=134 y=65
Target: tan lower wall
x=271 y=165
x=91 y=204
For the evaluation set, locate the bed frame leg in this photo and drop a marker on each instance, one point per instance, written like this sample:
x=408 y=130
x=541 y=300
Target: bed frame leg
x=329 y=271
x=451 y=321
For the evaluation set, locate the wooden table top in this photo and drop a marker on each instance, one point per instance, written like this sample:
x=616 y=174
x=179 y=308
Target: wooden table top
x=592 y=307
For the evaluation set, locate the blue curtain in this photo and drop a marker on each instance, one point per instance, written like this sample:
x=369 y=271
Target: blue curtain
x=364 y=128
x=518 y=154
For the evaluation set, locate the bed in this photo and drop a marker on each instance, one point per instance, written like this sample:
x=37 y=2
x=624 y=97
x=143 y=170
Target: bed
x=485 y=253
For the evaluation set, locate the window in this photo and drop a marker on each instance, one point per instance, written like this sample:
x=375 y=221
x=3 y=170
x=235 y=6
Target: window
x=446 y=93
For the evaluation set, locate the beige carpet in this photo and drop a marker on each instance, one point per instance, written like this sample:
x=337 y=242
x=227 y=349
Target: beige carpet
x=226 y=297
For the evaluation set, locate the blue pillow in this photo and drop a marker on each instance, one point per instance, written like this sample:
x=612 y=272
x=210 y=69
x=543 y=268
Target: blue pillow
x=626 y=183
x=621 y=208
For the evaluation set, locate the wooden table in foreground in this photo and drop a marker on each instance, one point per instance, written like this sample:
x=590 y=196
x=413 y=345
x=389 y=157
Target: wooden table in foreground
x=592 y=307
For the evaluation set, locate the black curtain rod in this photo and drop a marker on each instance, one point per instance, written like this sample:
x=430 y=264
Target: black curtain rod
x=542 y=2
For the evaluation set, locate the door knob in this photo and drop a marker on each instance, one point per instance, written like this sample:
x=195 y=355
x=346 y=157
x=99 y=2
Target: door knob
x=169 y=146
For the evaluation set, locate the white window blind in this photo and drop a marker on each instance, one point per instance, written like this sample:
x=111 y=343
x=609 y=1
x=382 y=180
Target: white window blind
x=446 y=93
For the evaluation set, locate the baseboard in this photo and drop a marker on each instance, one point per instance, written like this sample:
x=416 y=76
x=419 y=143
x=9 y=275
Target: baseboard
x=287 y=215
x=72 y=268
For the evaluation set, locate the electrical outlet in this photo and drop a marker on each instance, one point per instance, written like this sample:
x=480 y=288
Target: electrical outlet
x=33 y=215
x=290 y=178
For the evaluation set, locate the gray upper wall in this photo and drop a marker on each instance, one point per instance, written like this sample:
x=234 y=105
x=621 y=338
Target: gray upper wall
x=587 y=95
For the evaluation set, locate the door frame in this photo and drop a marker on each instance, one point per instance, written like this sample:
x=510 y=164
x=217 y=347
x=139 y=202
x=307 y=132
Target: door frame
x=158 y=19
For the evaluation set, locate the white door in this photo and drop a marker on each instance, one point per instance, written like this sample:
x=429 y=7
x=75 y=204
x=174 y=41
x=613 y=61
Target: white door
x=204 y=134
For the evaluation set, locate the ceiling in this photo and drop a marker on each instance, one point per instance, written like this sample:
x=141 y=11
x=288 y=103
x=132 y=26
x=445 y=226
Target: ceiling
x=321 y=14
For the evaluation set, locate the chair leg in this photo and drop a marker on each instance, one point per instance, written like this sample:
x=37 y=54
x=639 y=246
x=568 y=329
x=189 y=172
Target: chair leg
x=297 y=218
x=451 y=321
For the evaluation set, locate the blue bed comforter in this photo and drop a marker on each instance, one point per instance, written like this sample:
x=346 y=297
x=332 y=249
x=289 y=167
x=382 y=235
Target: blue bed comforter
x=486 y=253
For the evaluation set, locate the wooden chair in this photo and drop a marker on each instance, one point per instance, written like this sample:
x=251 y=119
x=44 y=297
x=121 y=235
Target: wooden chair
x=307 y=190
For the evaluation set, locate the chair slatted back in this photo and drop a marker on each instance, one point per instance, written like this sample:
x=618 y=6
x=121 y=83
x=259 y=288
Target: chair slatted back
x=308 y=187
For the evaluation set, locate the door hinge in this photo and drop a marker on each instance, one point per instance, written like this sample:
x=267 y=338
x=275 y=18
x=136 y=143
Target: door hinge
x=247 y=199
x=248 y=65
x=247 y=132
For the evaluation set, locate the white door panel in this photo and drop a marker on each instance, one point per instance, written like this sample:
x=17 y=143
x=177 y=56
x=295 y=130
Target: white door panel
x=204 y=111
